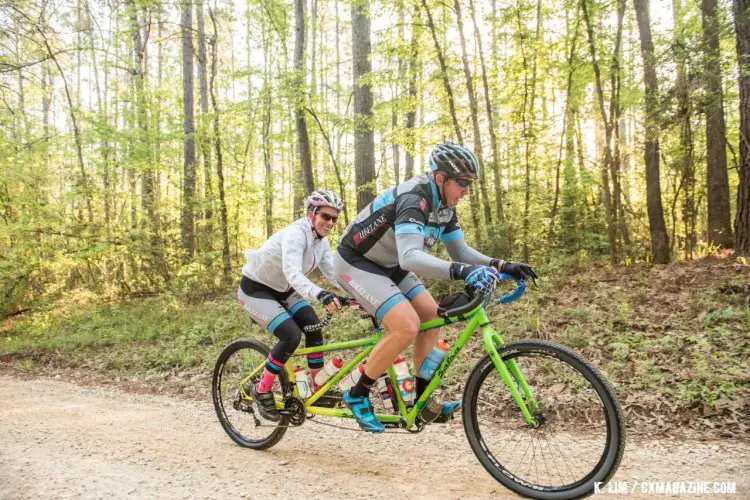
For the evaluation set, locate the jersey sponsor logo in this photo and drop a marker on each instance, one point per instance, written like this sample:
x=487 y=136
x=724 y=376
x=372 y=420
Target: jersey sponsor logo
x=255 y=314
x=363 y=234
x=431 y=235
x=360 y=292
x=417 y=222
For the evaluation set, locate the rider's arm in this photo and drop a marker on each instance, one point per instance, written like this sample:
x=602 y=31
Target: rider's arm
x=458 y=249
x=292 y=250
x=409 y=225
x=326 y=265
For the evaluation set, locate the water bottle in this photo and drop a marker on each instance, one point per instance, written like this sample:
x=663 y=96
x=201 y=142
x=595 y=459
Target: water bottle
x=404 y=380
x=351 y=378
x=303 y=387
x=328 y=371
x=386 y=392
x=431 y=411
x=433 y=360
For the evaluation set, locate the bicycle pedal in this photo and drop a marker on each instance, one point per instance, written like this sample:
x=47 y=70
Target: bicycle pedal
x=393 y=425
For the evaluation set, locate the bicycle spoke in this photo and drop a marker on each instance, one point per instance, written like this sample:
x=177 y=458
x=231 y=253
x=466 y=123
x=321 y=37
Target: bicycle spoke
x=565 y=449
x=239 y=368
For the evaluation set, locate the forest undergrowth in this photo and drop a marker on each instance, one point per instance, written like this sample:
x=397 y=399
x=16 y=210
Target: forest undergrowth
x=674 y=339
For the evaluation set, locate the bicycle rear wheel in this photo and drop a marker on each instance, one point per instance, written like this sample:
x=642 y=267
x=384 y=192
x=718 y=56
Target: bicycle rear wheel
x=581 y=436
x=239 y=366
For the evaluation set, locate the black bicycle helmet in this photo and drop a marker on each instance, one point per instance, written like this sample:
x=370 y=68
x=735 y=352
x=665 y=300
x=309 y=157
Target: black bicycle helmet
x=454 y=160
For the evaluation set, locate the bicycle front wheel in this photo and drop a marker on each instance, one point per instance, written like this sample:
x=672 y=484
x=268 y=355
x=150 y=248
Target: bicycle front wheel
x=239 y=366
x=579 y=435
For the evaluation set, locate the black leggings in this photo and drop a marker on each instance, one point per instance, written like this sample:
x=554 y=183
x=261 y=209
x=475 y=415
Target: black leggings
x=284 y=314
x=289 y=334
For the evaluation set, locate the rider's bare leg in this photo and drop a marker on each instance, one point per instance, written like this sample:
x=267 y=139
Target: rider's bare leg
x=426 y=308
x=402 y=325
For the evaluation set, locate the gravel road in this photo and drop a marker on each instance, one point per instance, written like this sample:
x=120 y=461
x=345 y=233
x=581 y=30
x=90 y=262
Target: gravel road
x=62 y=440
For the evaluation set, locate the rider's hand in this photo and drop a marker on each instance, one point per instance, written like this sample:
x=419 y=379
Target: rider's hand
x=330 y=301
x=480 y=277
x=519 y=270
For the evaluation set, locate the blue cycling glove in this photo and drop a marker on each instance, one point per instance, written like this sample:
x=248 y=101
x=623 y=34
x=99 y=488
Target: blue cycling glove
x=480 y=277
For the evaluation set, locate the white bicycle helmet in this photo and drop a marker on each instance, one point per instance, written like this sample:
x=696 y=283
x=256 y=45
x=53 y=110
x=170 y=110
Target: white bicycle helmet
x=323 y=198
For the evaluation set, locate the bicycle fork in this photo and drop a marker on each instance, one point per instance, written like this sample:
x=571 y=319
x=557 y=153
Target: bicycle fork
x=511 y=374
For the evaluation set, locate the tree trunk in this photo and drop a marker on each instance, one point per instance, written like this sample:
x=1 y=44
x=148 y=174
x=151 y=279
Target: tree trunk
x=444 y=74
x=188 y=191
x=659 y=238
x=566 y=138
x=490 y=119
x=607 y=148
x=478 y=150
x=614 y=116
x=268 y=193
x=684 y=156
x=411 y=114
x=528 y=117
x=268 y=172
x=719 y=229
x=338 y=59
x=396 y=98
x=141 y=147
x=101 y=102
x=158 y=104
x=452 y=106
x=303 y=139
x=205 y=141
x=336 y=169
x=742 y=220
x=225 y=255
x=364 y=139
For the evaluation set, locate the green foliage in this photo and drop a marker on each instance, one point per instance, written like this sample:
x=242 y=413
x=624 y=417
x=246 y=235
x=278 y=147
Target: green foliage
x=95 y=263
x=685 y=346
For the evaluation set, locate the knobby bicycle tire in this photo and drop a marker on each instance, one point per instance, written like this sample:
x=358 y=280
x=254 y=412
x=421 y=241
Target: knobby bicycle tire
x=220 y=400
x=542 y=381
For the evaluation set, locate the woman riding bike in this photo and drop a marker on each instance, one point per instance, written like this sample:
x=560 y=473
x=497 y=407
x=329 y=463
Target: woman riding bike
x=382 y=249
x=274 y=286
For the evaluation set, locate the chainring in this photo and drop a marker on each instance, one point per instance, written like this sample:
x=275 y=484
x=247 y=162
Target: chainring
x=295 y=409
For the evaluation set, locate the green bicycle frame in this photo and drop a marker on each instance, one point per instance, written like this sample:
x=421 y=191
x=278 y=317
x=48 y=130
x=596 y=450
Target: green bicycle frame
x=477 y=318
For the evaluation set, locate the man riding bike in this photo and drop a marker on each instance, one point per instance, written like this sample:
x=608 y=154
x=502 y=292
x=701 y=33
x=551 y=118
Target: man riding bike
x=382 y=249
x=274 y=286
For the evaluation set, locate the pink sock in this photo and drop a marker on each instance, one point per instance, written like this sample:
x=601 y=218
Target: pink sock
x=266 y=382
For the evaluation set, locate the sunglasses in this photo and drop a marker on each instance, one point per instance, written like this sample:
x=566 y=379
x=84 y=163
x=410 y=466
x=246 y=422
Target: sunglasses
x=329 y=218
x=463 y=183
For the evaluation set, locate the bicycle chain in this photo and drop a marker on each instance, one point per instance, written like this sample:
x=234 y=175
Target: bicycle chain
x=395 y=431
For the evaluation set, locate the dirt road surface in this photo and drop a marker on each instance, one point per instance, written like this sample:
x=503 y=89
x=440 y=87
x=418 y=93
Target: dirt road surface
x=62 y=440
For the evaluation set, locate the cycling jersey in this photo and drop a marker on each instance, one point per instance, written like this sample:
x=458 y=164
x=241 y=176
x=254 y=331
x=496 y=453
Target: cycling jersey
x=384 y=246
x=284 y=260
x=396 y=227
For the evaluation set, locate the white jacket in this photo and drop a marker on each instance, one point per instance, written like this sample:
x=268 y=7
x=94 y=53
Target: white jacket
x=285 y=259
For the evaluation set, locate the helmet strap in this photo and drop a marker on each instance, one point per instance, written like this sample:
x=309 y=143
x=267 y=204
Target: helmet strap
x=440 y=189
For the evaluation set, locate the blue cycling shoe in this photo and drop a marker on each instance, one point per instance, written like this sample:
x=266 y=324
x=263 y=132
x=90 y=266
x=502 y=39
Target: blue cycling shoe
x=447 y=412
x=362 y=409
